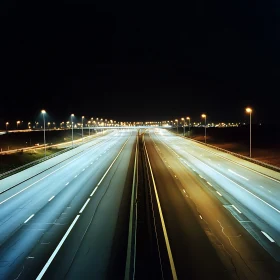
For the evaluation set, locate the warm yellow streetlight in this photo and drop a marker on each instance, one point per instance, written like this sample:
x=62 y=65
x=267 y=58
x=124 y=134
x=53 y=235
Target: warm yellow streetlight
x=183 y=119
x=177 y=125
x=7 y=123
x=72 y=115
x=204 y=117
x=43 y=113
x=83 y=128
x=189 y=119
x=249 y=111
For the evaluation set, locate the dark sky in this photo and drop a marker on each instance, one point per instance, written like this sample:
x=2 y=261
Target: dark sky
x=140 y=60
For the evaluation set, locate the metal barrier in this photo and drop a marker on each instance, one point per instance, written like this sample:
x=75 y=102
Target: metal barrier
x=264 y=164
x=32 y=163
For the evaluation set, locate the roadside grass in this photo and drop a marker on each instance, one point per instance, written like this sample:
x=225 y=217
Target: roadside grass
x=11 y=161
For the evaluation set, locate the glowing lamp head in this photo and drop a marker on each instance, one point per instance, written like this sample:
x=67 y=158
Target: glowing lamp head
x=249 y=110
x=83 y=117
x=188 y=118
x=43 y=111
x=203 y=116
x=72 y=115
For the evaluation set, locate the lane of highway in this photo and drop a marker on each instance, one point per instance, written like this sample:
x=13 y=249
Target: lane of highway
x=262 y=209
x=190 y=253
x=221 y=220
x=38 y=212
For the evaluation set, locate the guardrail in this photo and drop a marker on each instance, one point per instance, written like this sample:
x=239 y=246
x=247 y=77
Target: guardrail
x=264 y=164
x=32 y=163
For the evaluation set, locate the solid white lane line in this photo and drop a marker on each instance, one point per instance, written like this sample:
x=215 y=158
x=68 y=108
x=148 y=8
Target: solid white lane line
x=82 y=209
x=29 y=218
x=238 y=174
x=267 y=236
x=172 y=265
x=51 y=198
x=236 y=209
x=93 y=191
x=67 y=184
x=57 y=249
x=209 y=184
x=218 y=193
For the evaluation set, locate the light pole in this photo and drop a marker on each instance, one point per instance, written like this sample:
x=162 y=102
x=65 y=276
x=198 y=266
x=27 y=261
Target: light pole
x=83 y=128
x=188 y=118
x=183 y=119
x=88 y=128
x=177 y=125
x=249 y=110
x=43 y=113
x=7 y=126
x=204 y=116
x=72 y=115
x=18 y=122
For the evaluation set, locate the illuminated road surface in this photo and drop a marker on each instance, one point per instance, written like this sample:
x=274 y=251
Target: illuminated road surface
x=76 y=208
x=241 y=218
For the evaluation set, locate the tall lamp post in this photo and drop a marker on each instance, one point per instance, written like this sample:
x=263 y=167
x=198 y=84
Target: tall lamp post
x=183 y=119
x=7 y=126
x=204 y=117
x=83 y=128
x=72 y=115
x=189 y=119
x=177 y=125
x=249 y=111
x=18 y=122
x=43 y=113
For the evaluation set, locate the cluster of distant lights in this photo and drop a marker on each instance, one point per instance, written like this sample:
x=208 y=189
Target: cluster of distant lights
x=112 y=123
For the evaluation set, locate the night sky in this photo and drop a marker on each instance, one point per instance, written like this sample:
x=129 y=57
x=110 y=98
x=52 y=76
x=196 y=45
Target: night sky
x=139 y=61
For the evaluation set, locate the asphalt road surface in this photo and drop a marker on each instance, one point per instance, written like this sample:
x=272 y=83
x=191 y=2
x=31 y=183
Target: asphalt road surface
x=198 y=214
x=71 y=221
x=239 y=218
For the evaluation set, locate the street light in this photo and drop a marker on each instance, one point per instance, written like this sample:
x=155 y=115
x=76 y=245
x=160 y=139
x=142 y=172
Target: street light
x=72 y=115
x=7 y=126
x=183 y=119
x=249 y=111
x=83 y=128
x=177 y=125
x=18 y=122
x=43 y=113
x=88 y=128
x=204 y=116
x=188 y=118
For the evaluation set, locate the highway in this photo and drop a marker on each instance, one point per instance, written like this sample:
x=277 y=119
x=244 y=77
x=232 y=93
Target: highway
x=240 y=219
x=64 y=221
x=197 y=214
